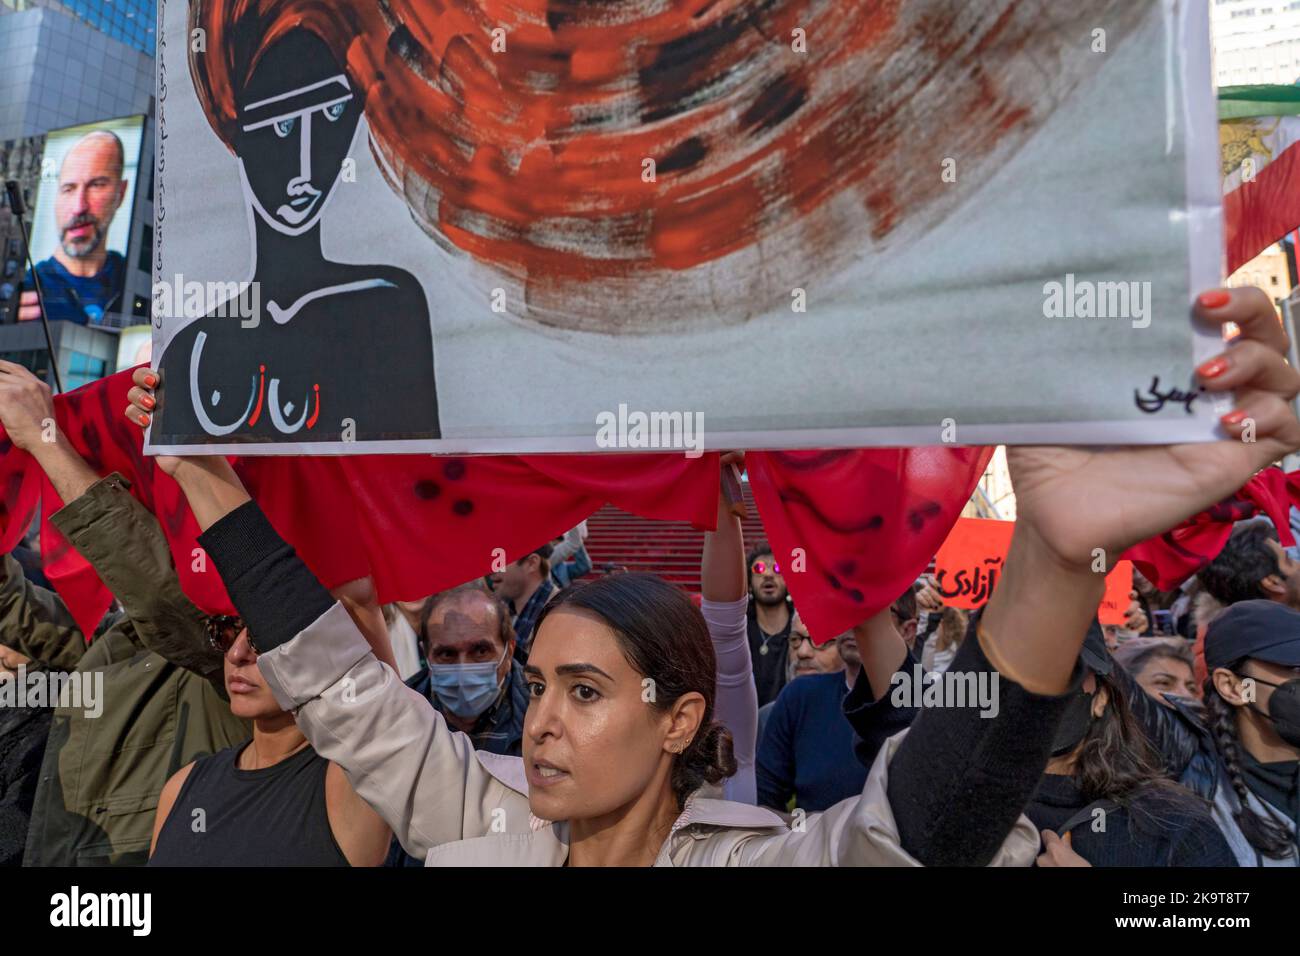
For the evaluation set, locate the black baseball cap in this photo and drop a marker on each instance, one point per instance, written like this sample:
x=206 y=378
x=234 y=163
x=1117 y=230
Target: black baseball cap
x=1264 y=630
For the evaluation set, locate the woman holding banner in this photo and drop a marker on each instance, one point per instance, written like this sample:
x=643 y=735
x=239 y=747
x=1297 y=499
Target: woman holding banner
x=619 y=733
x=1104 y=798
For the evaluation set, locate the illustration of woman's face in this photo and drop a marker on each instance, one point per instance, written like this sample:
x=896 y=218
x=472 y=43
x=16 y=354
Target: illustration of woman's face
x=298 y=117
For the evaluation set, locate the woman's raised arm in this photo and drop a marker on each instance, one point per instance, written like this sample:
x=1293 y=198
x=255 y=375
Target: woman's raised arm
x=399 y=755
x=1078 y=510
x=724 y=602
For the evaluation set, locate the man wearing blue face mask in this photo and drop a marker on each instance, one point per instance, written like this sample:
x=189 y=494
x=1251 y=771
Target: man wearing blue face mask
x=471 y=675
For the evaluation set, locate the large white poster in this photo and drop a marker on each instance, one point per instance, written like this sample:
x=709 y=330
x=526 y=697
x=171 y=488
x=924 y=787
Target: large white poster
x=409 y=226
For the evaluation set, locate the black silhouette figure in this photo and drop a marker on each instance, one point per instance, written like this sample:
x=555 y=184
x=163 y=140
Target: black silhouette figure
x=336 y=351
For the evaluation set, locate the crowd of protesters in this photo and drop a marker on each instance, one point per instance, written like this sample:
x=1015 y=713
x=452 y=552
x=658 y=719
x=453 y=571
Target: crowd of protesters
x=548 y=714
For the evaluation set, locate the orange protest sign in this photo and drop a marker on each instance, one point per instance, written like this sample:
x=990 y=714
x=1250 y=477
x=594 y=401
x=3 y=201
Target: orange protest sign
x=1116 y=600
x=970 y=562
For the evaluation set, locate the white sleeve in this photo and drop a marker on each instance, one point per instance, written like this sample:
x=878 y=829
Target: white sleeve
x=406 y=646
x=736 y=701
x=567 y=547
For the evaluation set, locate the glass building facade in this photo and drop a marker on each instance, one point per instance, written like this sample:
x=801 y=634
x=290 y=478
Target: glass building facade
x=131 y=21
x=56 y=70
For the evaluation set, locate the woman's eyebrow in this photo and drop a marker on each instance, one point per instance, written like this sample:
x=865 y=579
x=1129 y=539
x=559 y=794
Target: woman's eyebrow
x=582 y=669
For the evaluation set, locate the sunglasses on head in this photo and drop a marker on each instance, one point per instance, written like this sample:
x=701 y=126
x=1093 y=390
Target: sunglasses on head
x=223 y=631
x=762 y=567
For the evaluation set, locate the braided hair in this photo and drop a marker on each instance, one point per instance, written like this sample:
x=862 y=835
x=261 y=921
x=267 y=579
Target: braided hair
x=1265 y=833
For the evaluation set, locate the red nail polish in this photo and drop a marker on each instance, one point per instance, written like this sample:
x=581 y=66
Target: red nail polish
x=146 y=401
x=1213 y=368
x=150 y=381
x=1215 y=300
x=1233 y=418
x=144 y=419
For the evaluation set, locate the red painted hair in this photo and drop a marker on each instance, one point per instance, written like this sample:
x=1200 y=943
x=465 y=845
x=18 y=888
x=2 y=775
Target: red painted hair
x=790 y=138
x=237 y=33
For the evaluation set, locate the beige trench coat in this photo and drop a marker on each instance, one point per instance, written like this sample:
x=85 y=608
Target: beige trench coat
x=455 y=806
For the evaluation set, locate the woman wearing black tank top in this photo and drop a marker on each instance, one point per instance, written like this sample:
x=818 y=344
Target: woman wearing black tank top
x=273 y=801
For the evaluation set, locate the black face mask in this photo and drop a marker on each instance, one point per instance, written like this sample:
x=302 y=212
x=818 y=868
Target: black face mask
x=1074 y=724
x=1283 y=709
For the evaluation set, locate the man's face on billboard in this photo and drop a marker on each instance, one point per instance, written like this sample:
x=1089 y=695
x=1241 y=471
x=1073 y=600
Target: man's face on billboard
x=91 y=188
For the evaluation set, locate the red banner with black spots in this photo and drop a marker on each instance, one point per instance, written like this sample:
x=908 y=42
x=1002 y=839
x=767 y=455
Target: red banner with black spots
x=415 y=524
x=1169 y=559
x=854 y=528
x=866 y=521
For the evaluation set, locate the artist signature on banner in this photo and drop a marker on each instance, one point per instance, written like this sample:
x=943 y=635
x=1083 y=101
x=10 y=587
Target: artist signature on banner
x=160 y=160
x=976 y=583
x=1155 y=400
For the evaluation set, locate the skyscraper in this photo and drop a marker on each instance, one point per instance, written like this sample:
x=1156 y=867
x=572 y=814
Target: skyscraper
x=1256 y=41
x=131 y=21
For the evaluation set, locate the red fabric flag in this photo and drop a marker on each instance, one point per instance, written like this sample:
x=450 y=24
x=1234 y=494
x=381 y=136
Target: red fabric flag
x=414 y=523
x=1259 y=209
x=1169 y=559
x=867 y=521
x=854 y=528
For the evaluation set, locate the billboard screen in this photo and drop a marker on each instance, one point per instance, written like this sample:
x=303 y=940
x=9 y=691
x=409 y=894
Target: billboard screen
x=81 y=220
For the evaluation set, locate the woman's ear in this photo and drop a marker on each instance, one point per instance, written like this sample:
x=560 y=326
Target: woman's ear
x=1229 y=686
x=684 y=721
x=909 y=632
x=1099 y=702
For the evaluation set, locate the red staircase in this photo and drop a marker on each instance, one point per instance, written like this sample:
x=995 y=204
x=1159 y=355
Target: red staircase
x=670 y=549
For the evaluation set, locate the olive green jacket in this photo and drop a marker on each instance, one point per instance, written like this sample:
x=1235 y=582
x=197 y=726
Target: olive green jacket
x=163 y=698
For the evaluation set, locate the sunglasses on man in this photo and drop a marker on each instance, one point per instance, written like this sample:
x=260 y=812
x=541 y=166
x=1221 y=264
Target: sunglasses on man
x=762 y=567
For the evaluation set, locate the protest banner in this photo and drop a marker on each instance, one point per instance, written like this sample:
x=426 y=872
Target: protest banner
x=971 y=558
x=469 y=227
x=1118 y=597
